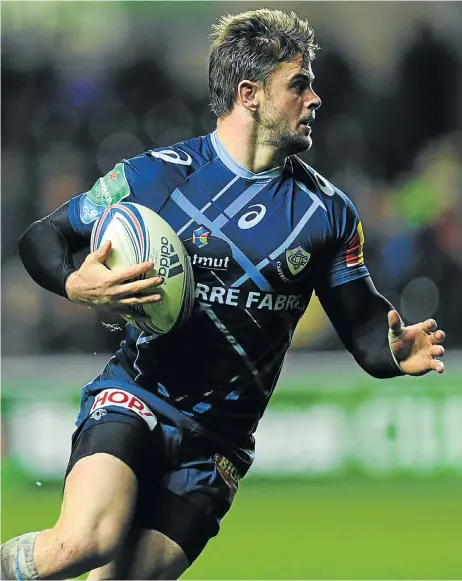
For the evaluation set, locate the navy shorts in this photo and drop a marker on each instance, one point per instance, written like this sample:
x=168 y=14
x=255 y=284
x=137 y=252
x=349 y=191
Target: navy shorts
x=186 y=480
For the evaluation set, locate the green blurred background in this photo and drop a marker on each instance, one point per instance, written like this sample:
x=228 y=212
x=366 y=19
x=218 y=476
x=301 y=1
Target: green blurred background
x=355 y=478
x=351 y=528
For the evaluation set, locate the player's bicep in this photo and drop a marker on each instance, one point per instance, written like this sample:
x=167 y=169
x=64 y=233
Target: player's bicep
x=86 y=208
x=60 y=219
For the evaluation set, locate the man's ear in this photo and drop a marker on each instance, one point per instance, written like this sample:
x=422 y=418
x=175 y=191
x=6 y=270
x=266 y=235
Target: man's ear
x=247 y=93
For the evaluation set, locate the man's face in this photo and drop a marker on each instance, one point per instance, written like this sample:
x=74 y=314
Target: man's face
x=287 y=107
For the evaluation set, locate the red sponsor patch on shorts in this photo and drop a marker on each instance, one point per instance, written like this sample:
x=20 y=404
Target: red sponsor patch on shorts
x=124 y=399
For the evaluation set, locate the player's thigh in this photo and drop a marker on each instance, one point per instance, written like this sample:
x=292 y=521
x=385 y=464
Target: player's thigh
x=168 y=535
x=146 y=554
x=101 y=486
x=99 y=501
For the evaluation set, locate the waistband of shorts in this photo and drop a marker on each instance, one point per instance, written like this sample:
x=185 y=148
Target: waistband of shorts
x=240 y=444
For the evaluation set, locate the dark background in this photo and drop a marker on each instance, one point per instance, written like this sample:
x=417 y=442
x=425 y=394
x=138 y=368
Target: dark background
x=86 y=84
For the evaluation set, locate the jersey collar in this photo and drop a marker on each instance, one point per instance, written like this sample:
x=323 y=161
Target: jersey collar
x=238 y=169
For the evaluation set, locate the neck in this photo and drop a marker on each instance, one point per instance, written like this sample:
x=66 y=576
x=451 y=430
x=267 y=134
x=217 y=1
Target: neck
x=239 y=135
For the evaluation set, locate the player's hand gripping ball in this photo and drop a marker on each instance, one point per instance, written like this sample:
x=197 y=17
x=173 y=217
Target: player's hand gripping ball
x=137 y=235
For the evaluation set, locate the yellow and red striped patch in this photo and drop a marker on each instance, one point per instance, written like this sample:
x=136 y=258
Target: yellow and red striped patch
x=354 y=255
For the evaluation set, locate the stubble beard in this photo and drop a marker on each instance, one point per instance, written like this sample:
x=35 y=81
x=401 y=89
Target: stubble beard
x=277 y=133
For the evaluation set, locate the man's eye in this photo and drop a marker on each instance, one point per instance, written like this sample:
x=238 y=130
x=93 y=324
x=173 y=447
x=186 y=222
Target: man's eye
x=300 y=88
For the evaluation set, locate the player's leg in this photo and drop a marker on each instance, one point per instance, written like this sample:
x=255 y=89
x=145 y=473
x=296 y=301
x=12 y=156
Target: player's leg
x=146 y=554
x=97 y=510
x=172 y=529
x=177 y=535
x=99 y=501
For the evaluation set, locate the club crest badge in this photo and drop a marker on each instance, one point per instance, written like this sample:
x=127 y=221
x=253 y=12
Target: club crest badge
x=297 y=259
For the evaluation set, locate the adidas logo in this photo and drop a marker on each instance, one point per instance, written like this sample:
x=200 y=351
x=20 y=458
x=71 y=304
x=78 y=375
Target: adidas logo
x=170 y=264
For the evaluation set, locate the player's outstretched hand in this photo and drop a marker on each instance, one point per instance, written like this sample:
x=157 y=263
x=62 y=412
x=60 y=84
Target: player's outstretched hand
x=95 y=285
x=417 y=346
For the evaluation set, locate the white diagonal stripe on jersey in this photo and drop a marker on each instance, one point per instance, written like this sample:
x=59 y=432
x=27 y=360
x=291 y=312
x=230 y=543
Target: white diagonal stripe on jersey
x=238 y=204
x=179 y=198
x=265 y=369
x=214 y=199
x=236 y=346
x=257 y=324
x=317 y=203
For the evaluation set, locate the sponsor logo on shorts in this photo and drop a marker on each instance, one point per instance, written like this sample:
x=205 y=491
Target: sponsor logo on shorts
x=98 y=414
x=124 y=399
x=228 y=472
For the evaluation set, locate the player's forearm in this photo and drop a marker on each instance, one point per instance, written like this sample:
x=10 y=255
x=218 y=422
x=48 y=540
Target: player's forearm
x=46 y=249
x=46 y=256
x=369 y=345
x=360 y=317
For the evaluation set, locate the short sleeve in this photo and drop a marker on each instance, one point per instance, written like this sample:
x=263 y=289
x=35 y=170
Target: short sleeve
x=348 y=260
x=85 y=208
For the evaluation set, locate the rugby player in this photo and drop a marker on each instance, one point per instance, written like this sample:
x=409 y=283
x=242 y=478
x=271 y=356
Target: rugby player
x=164 y=433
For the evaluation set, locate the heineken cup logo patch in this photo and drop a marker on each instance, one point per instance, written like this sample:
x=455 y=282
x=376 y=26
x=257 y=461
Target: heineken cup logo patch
x=297 y=259
x=111 y=188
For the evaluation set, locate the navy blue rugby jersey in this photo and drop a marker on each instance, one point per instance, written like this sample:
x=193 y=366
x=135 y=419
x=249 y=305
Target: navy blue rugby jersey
x=259 y=245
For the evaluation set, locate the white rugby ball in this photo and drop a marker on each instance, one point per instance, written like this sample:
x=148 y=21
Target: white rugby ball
x=137 y=234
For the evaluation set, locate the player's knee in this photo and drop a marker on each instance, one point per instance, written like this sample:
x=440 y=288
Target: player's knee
x=108 y=537
x=95 y=544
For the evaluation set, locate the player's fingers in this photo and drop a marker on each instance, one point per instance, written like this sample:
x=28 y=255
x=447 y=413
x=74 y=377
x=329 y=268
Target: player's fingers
x=135 y=301
x=394 y=320
x=123 y=274
x=139 y=286
x=437 y=365
x=429 y=325
x=439 y=336
x=101 y=253
x=437 y=351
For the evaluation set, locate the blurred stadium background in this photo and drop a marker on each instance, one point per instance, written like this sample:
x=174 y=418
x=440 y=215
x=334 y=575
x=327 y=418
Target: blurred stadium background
x=354 y=478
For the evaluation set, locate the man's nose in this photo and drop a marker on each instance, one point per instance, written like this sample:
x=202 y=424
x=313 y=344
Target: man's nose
x=313 y=102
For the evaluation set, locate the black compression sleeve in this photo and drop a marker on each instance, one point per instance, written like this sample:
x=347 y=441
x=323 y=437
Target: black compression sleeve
x=46 y=249
x=359 y=315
